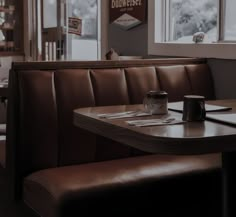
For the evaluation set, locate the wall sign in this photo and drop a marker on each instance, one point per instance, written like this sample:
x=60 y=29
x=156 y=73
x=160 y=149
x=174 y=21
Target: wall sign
x=127 y=13
x=75 y=25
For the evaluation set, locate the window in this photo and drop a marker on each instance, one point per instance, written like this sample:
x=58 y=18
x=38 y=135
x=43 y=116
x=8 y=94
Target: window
x=88 y=12
x=172 y=24
x=230 y=17
x=88 y=42
x=47 y=29
x=188 y=17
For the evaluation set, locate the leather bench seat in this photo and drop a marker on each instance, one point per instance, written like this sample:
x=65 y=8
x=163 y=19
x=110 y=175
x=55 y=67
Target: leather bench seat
x=48 y=191
x=63 y=168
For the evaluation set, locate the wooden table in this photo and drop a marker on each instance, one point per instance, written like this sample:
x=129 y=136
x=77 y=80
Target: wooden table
x=188 y=138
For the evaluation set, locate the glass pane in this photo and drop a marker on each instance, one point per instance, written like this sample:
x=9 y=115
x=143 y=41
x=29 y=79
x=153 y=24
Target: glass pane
x=87 y=11
x=230 y=24
x=49 y=13
x=84 y=46
x=187 y=17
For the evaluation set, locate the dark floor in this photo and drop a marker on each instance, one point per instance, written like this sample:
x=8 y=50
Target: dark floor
x=7 y=207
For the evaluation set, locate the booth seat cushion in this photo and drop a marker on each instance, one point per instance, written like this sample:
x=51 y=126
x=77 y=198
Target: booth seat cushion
x=65 y=189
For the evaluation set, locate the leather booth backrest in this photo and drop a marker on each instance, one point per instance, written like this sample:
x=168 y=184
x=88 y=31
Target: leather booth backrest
x=44 y=100
x=189 y=79
x=201 y=80
x=73 y=89
x=37 y=139
x=140 y=80
x=174 y=80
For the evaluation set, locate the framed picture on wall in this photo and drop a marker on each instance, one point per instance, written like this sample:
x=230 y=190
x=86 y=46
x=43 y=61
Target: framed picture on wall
x=127 y=13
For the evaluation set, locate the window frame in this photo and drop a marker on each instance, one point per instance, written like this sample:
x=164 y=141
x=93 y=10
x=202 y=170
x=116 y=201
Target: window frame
x=220 y=49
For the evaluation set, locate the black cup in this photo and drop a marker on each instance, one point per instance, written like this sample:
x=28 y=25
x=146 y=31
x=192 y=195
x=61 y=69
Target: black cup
x=194 y=108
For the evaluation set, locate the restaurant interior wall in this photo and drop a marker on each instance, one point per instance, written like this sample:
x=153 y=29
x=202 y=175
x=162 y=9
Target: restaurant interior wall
x=128 y=41
x=132 y=42
x=224 y=76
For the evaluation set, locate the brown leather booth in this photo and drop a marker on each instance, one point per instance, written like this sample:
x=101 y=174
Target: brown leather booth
x=61 y=170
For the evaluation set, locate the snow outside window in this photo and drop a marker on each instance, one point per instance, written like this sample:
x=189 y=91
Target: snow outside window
x=187 y=17
x=230 y=17
x=172 y=24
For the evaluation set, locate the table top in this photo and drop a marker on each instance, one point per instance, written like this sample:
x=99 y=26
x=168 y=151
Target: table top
x=186 y=138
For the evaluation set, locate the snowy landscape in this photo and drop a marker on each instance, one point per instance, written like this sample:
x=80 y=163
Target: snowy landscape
x=190 y=16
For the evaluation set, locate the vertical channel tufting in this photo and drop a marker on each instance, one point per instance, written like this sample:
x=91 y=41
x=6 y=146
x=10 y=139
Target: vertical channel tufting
x=74 y=90
x=55 y=108
x=174 y=80
x=201 y=80
x=105 y=80
x=38 y=140
x=140 y=80
x=110 y=88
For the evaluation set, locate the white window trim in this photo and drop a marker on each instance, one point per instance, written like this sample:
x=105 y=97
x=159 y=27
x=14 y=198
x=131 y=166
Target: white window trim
x=205 y=50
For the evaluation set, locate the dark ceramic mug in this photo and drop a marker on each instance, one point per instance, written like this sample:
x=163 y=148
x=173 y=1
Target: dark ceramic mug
x=194 y=108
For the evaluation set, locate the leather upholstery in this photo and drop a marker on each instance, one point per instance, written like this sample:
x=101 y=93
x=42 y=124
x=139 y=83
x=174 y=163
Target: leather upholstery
x=174 y=81
x=140 y=80
x=98 y=179
x=73 y=89
x=50 y=97
x=110 y=87
x=201 y=80
x=38 y=116
x=45 y=136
